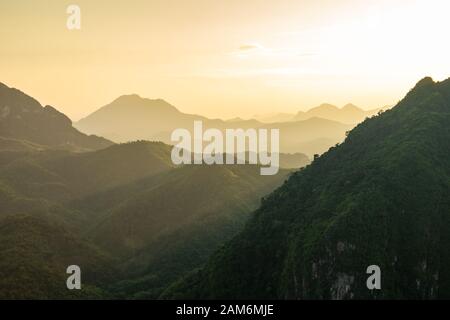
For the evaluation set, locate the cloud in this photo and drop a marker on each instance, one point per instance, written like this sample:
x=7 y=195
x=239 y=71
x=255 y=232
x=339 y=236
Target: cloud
x=247 y=47
x=257 y=50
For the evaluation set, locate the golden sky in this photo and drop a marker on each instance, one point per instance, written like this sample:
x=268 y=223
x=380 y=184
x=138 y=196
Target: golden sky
x=223 y=58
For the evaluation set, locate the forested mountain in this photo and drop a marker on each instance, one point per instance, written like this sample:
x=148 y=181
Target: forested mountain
x=126 y=203
x=170 y=223
x=36 y=252
x=380 y=198
x=131 y=220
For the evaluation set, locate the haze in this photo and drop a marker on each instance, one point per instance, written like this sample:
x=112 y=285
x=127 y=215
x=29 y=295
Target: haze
x=223 y=58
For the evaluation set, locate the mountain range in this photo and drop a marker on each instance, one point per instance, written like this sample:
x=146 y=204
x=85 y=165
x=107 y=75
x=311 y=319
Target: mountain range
x=131 y=118
x=348 y=114
x=380 y=198
x=141 y=227
x=131 y=220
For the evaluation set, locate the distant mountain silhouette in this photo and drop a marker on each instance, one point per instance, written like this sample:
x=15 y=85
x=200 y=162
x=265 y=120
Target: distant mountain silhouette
x=301 y=136
x=131 y=118
x=349 y=114
x=23 y=118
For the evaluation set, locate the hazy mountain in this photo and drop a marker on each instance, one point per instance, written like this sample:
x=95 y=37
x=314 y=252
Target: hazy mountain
x=293 y=160
x=303 y=135
x=380 y=198
x=274 y=117
x=132 y=117
x=126 y=202
x=349 y=114
x=23 y=118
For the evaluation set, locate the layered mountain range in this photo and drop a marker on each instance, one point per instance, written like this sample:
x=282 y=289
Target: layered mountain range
x=141 y=227
x=131 y=117
x=348 y=114
x=126 y=215
x=380 y=198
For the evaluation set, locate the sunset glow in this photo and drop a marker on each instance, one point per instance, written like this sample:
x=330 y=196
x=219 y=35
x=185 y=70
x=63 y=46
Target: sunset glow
x=222 y=58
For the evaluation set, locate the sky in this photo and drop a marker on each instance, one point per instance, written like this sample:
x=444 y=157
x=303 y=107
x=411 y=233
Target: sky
x=223 y=58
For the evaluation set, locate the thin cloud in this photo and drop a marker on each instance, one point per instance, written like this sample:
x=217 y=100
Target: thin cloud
x=257 y=50
x=247 y=47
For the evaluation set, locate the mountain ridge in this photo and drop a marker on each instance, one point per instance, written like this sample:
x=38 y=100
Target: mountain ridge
x=136 y=118
x=380 y=198
x=23 y=117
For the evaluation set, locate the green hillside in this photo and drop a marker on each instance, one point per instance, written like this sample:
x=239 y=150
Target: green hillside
x=380 y=198
x=126 y=203
x=35 y=254
x=170 y=223
x=63 y=175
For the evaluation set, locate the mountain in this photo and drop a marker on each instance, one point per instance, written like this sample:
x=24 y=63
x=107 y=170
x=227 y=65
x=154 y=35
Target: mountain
x=293 y=160
x=123 y=205
x=23 y=118
x=380 y=198
x=178 y=196
x=349 y=114
x=169 y=224
x=126 y=203
x=61 y=175
x=131 y=118
x=303 y=135
x=132 y=220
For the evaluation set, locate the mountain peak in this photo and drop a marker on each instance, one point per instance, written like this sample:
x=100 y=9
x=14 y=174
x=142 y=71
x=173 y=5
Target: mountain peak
x=135 y=100
x=128 y=98
x=350 y=106
x=425 y=82
x=24 y=118
x=16 y=99
x=54 y=113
